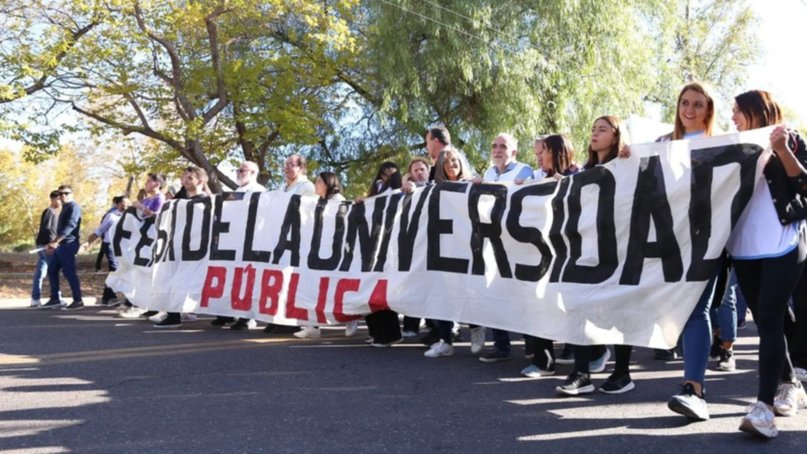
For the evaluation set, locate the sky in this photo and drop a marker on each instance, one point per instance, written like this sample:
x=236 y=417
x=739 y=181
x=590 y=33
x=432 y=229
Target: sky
x=782 y=68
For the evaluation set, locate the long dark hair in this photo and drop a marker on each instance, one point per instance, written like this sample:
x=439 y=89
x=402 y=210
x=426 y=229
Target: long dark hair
x=593 y=158
x=562 y=153
x=759 y=108
x=380 y=185
x=332 y=184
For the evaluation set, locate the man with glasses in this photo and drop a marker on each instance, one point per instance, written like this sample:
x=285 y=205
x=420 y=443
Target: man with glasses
x=246 y=175
x=63 y=248
x=296 y=179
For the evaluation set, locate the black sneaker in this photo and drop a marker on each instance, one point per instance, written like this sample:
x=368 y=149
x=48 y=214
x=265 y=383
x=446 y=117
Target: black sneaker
x=617 y=383
x=576 y=384
x=566 y=356
x=688 y=403
x=494 y=357
x=716 y=349
x=74 y=306
x=173 y=320
x=147 y=314
x=665 y=355
x=221 y=321
x=240 y=325
x=51 y=304
x=280 y=329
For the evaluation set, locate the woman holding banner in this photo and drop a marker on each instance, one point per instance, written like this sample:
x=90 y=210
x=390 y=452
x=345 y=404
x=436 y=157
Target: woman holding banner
x=695 y=119
x=769 y=248
x=383 y=326
x=327 y=187
x=556 y=160
x=605 y=144
x=452 y=166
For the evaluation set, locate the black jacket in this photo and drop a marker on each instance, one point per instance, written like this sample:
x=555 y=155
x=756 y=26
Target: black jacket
x=789 y=193
x=47 y=227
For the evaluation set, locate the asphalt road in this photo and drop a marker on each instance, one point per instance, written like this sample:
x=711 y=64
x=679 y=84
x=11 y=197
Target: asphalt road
x=89 y=382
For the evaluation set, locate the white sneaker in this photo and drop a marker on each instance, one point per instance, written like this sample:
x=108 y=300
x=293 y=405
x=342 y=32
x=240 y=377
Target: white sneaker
x=439 y=349
x=351 y=327
x=477 y=339
x=759 y=421
x=187 y=317
x=158 y=317
x=35 y=303
x=801 y=374
x=790 y=397
x=308 y=332
x=132 y=312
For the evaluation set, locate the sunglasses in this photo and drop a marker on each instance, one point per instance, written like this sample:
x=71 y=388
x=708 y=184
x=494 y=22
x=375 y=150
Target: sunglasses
x=65 y=192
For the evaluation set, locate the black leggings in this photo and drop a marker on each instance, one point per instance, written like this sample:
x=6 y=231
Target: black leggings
x=767 y=285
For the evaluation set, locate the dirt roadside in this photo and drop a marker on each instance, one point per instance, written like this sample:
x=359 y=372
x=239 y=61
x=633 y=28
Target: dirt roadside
x=17 y=271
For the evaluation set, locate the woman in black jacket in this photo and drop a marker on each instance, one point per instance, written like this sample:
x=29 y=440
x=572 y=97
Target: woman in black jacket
x=769 y=248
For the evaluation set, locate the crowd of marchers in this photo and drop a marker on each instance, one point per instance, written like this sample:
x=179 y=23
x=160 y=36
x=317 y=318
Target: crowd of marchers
x=762 y=270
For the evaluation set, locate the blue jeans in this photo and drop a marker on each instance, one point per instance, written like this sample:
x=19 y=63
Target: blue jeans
x=725 y=316
x=43 y=261
x=697 y=336
x=64 y=259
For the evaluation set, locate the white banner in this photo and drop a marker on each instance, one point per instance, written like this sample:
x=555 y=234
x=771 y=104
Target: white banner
x=616 y=254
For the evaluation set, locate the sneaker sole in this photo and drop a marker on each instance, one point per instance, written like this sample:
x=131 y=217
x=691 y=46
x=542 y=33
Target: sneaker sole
x=439 y=355
x=494 y=360
x=681 y=409
x=747 y=427
x=588 y=389
x=629 y=387
x=167 y=326
x=543 y=373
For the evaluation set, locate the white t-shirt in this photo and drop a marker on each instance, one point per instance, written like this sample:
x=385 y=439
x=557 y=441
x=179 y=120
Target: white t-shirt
x=302 y=186
x=253 y=186
x=513 y=171
x=758 y=233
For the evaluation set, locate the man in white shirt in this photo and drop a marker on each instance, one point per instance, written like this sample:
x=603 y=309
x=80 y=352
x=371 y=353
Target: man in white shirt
x=296 y=181
x=246 y=175
x=106 y=231
x=505 y=168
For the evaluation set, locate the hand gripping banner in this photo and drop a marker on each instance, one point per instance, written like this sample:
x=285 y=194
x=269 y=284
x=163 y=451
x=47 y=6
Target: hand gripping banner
x=618 y=254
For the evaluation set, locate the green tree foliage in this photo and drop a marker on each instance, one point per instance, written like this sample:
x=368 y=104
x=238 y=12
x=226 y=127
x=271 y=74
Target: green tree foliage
x=25 y=186
x=348 y=83
x=711 y=41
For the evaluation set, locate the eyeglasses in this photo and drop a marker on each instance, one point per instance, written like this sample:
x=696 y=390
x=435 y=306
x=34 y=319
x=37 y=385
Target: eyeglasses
x=65 y=192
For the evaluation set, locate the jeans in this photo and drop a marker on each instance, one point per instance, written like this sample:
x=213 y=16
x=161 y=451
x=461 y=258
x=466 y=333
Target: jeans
x=725 y=316
x=697 y=336
x=64 y=259
x=768 y=285
x=43 y=261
